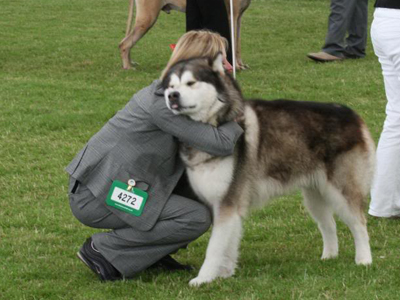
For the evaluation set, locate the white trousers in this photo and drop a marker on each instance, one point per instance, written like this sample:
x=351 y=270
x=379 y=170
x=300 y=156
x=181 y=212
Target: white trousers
x=385 y=193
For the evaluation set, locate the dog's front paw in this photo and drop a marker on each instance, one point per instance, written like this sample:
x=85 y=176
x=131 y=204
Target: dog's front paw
x=227 y=272
x=199 y=281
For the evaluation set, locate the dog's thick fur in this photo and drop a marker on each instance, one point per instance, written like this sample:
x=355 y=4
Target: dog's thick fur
x=324 y=149
x=147 y=12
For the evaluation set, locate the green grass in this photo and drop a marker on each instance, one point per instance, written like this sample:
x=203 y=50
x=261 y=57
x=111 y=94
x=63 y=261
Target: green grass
x=61 y=80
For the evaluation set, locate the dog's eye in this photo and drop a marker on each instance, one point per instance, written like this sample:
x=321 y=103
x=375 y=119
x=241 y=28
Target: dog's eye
x=171 y=86
x=190 y=83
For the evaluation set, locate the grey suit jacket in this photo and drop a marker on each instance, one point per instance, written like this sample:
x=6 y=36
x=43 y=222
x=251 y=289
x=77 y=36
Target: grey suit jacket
x=140 y=142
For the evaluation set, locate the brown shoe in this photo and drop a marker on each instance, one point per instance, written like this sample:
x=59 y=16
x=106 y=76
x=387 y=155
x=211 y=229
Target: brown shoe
x=323 y=57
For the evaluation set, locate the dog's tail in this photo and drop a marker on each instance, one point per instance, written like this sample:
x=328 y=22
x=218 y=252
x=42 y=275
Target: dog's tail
x=370 y=160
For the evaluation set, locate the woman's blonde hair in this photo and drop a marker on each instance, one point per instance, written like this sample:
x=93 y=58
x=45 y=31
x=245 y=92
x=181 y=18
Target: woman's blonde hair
x=196 y=43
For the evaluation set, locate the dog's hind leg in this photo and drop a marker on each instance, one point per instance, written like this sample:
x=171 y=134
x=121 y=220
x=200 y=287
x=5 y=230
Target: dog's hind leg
x=322 y=213
x=347 y=204
x=222 y=250
x=130 y=17
x=146 y=15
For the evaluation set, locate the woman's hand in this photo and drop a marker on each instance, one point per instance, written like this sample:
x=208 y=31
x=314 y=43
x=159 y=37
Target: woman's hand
x=239 y=118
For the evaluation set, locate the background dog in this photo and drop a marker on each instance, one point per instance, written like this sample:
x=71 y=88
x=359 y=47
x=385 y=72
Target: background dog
x=147 y=12
x=324 y=149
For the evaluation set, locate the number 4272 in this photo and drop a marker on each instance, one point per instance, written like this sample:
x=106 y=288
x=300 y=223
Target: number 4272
x=126 y=198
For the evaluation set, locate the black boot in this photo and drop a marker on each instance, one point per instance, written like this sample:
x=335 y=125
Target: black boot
x=92 y=258
x=168 y=263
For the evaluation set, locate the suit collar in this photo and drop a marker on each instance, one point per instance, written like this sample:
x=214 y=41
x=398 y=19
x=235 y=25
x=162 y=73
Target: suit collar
x=159 y=91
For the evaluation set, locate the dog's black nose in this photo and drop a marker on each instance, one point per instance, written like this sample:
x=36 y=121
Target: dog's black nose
x=174 y=100
x=174 y=97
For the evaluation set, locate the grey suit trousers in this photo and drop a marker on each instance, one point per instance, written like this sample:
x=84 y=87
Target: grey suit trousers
x=347 y=16
x=129 y=250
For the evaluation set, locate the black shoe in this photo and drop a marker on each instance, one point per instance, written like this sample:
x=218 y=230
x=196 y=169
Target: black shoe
x=168 y=263
x=349 y=55
x=92 y=258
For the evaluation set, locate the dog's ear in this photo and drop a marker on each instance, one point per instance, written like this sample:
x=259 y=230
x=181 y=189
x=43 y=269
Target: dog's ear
x=218 y=63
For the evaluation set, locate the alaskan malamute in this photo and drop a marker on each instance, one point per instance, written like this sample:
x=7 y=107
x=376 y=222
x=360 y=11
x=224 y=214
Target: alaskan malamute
x=324 y=149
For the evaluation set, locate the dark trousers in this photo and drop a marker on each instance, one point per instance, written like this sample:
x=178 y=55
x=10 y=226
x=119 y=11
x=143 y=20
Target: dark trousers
x=211 y=15
x=347 y=17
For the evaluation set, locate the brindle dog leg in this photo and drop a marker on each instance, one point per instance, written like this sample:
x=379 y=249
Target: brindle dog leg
x=146 y=15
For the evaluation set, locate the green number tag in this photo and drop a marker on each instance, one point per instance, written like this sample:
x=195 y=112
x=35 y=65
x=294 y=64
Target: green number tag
x=131 y=202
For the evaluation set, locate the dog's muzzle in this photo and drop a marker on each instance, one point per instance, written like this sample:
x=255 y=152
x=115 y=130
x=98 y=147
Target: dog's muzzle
x=173 y=99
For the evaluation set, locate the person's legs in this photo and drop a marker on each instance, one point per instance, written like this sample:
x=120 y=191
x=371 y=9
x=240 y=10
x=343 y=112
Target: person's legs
x=215 y=18
x=131 y=251
x=193 y=16
x=385 y=194
x=338 y=25
x=358 y=31
x=89 y=211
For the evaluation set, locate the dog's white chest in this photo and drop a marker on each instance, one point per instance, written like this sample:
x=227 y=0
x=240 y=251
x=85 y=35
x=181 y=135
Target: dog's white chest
x=211 y=180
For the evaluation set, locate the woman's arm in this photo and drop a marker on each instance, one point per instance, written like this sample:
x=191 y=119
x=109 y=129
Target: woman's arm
x=219 y=141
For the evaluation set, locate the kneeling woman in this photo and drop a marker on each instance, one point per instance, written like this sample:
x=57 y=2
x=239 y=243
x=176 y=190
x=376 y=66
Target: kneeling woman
x=136 y=152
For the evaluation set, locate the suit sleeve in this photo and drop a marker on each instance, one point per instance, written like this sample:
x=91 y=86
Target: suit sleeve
x=219 y=141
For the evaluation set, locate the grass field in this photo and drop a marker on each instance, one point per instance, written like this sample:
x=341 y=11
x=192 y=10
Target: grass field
x=61 y=80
